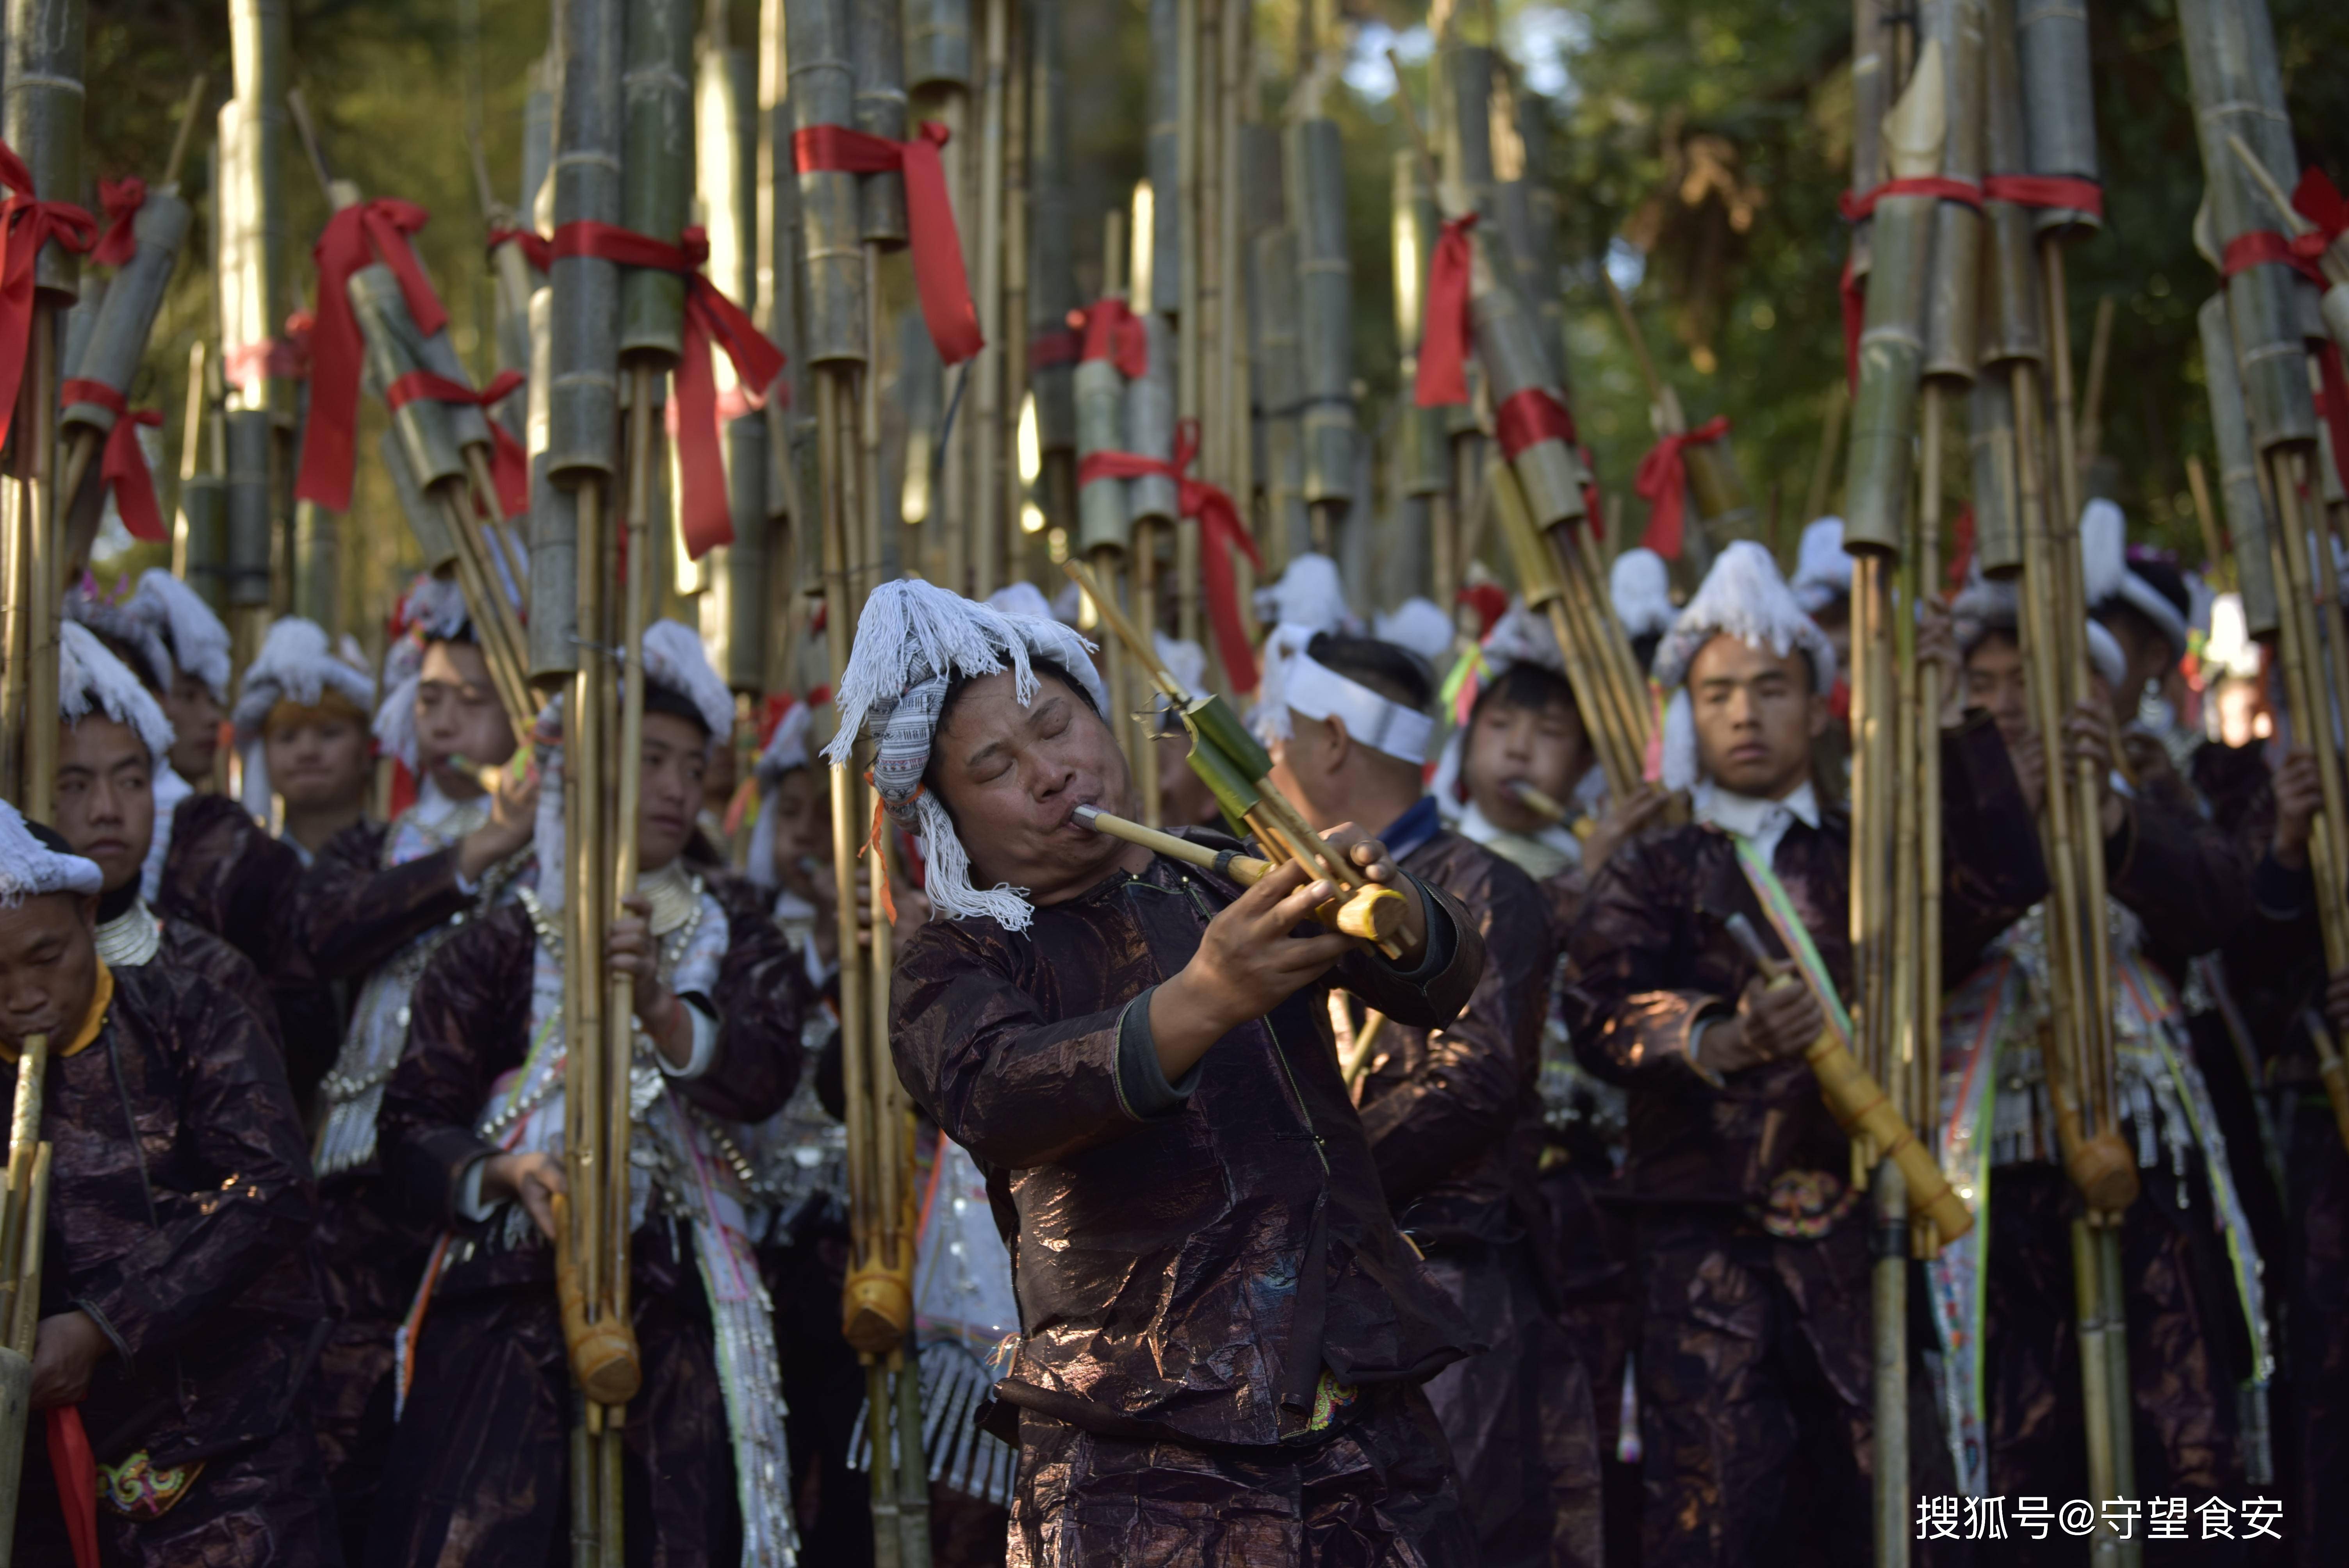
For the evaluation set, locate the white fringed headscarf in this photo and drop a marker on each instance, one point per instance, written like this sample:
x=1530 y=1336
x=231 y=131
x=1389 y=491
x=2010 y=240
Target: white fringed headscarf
x=786 y=751
x=30 y=869
x=1420 y=625
x=1640 y=585
x=90 y=679
x=433 y=611
x=198 y=642
x=1822 y=566
x=913 y=640
x=298 y=663
x=1742 y=597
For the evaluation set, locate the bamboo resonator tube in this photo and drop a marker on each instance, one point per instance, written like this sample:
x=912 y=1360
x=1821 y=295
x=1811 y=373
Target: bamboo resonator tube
x=1861 y=1107
x=1372 y=915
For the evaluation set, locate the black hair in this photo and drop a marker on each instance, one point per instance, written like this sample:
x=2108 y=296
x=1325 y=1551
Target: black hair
x=1525 y=685
x=157 y=682
x=48 y=838
x=660 y=699
x=1643 y=649
x=2124 y=620
x=1394 y=672
x=1042 y=665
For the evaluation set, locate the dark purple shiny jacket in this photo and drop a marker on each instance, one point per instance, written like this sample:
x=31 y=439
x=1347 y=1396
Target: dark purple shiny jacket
x=1651 y=960
x=1186 y=1275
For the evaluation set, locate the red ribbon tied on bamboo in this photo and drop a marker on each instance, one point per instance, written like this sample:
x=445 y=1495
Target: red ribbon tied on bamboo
x=509 y=462
x=1662 y=482
x=2264 y=247
x=709 y=317
x=1445 y=329
x=122 y=466
x=121 y=198
x=939 y=277
x=1220 y=533
x=26 y=224
x=365 y=230
x=1112 y=332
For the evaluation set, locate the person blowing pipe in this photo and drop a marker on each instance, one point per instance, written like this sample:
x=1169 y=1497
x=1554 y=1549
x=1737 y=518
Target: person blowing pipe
x=1216 y=1305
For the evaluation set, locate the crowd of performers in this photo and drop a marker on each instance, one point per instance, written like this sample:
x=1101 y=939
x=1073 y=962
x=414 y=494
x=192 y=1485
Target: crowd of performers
x=1242 y=1242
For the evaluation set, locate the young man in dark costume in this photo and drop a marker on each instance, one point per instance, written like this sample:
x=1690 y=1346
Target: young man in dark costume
x=1453 y=1115
x=472 y=1124
x=1754 y=1369
x=1223 y=1330
x=113 y=742
x=378 y=899
x=178 y=1318
x=2194 y=1300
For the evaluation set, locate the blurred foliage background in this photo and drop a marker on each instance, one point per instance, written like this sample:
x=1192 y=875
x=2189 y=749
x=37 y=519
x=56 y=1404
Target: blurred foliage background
x=1698 y=148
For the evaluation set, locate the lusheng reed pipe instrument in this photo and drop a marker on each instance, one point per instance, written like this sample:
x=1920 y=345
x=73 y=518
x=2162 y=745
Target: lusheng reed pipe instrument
x=24 y=1210
x=1239 y=771
x=1368 y=919
x=1859 y=1103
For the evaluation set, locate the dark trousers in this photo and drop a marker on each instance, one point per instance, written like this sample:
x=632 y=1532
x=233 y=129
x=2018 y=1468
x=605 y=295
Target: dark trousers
x=1380 y=1493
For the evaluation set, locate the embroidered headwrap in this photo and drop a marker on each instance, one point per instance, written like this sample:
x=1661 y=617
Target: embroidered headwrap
x=1742 y=597
x=30 y=869
x=90 y=679
x=913 y=640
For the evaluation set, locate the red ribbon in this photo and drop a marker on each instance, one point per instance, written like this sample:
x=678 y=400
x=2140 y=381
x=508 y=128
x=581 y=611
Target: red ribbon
x=2315 y=200
x=939 y=277
x=2263 y=247
x=361 y=233
x=1662 y=480
x=121 y=198
x=1220 y=533
x=1050 y=350
x=26 y=224
x=509 y=462
x=1529 y=417
x=1112 y=332
x=1856 y=206
x=536 y=249
x=1962 y=554
x=122 y=465
x=2046 y=191
x=709 y=317
x=1445 y=329
x=76 y=1473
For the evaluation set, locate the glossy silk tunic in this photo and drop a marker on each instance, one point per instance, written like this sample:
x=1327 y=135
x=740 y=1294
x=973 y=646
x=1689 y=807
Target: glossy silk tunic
x=188 y=1247
x=1189 y=1274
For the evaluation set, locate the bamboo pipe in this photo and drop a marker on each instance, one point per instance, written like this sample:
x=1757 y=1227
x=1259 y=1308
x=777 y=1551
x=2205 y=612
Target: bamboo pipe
x=1279 y=826
x=2092 y=404
x=1815 y=503
x=2311 y=709
x=83 y=446
x=1230 y=864
x=1188 y=362
x=1858 y=1103
x=1538 y=802
x=1357 y=1060
x=1145 y=562
x=1927 y=792
x=986 y=520
x=37 y=513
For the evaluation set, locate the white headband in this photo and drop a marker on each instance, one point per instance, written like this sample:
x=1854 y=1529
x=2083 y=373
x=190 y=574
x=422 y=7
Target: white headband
x=1317 y=691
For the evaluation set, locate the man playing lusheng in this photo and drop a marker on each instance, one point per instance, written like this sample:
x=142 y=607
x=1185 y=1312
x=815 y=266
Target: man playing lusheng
x=177 y=1316
x=1753 y=1366
x=472 y=1127
x=1223 y=1330
x=378 y=899
x=1453 y=1114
